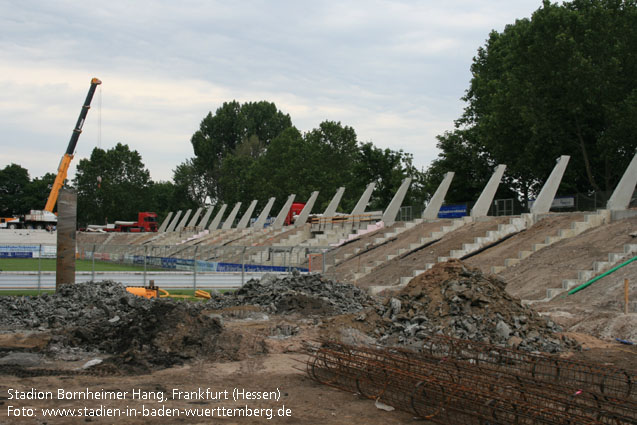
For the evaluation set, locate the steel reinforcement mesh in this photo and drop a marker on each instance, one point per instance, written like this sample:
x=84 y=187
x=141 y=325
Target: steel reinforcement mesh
x=460 y=382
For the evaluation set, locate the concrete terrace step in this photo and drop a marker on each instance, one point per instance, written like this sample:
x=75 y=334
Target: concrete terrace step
x=584 y=276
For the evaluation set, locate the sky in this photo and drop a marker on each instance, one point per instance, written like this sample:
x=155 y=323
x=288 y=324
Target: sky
x=395 y=71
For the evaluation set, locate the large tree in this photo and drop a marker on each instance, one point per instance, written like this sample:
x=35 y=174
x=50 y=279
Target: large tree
x=233 y=123
x=14 y=183
x=561 y=83
x=111 y=185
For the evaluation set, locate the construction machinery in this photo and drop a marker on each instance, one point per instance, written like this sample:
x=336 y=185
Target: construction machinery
x=41 y=219
x=63 y=168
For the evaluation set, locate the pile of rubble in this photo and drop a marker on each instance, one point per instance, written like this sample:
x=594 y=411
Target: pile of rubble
x=460 y=302
x=304 y=294
x=104 y=317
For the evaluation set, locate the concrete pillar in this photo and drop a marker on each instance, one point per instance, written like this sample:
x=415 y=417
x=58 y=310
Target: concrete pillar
x=206 y=217
x=164 y=224
x=305 y=212
x=214 y=224
x=66 y=225
x=194 y=218
x=183 y=221
x=173 y=224
x=431 y=212
x=233 y=214
x=620 y=199
x=280 y=219
x=544 y=200
x=389 y=216
x=264 y=215
x=362 y=203
x=331 y=208
x=243 y=223
x=481 y=208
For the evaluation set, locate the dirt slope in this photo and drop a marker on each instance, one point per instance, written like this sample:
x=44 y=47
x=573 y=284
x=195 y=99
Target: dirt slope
x=562 y=260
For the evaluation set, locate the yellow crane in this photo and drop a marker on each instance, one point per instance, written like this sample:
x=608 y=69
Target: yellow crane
x=63 y=168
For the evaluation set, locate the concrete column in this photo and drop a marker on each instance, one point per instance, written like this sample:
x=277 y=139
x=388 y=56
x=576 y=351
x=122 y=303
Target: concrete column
x=280 y=219
x=214 y=224
x=243 y=223
x=183 y=221
x=545 y=199
x=164 y=224
x=362 y=203
x=431 y=212
x=66 y=225
x=481 y=208
x=620 y=199
x=305 y=212
x=331 y=208
x=194 y=218
x=230 y=219
x=264 y=215
x=206 y=217
x=173 y=224
x=389 y=216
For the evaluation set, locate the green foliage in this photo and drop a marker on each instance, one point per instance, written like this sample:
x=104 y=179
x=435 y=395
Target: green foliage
x=233 y=123
x=19 y=194
x=561 y=83
x=122 y=192
x=14 y=182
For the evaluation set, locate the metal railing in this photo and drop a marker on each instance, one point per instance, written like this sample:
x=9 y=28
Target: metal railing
x=169 y=266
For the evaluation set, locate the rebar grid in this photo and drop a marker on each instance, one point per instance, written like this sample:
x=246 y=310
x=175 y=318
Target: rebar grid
x=451 y=391
x=609 y=381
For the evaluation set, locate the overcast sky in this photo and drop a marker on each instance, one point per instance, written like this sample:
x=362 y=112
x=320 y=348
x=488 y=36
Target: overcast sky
x=393 y=70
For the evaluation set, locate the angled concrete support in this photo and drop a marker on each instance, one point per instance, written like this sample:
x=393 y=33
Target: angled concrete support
x=389 y=216
x=173 y=224
x=544 y=200
x=264 y=214
x=183 y=221
x=481 y=208
x=331 y=208
x=165 y=223
x=620 y=199
x=194 y=218
x=206 y=217
x=243 y=223
x=362 y=203
x=230 y=219
x=214 y=224
x=431 y=212
x=280 y=219
x=305 y=212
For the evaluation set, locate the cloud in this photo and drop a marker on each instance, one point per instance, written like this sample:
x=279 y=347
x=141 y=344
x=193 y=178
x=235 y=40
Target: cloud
x=393 y=70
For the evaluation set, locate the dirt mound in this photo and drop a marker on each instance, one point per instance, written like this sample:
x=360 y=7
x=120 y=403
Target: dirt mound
x=142 y=334
x=304 y=294
x=461 y=302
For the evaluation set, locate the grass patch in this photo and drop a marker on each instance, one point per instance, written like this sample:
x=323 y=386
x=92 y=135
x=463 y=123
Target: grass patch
x=49 y=264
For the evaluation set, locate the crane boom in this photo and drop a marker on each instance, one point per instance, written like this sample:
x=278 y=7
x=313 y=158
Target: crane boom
x=70 y=149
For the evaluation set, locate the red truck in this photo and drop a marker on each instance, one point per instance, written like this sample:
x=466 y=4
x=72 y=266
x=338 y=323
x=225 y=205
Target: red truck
x=295 y=210
x=146 y=222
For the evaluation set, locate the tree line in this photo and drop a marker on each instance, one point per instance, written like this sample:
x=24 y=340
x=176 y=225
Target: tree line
x=563 y=82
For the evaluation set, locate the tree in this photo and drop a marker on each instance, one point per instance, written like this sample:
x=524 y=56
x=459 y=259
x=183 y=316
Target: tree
x=561 y=83
x=111 y=185
x=386 y=168
x=460 y=153
x=38 y=191
x=220 y=134
x=14 y=182
x=190 y=189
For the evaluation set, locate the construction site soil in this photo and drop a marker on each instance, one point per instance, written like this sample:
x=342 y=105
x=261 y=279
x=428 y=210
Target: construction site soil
x=99 y=336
